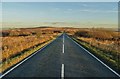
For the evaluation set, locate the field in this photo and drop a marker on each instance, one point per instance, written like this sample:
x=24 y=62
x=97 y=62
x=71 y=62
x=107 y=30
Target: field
x=105 y=44
x=17 y=44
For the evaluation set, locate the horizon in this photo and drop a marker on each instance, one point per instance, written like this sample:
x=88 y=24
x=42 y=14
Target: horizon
x=65 y=14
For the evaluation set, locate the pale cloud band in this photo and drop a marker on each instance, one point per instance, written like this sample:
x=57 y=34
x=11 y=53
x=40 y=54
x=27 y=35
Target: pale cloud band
x=98 y=11
x=92 y=14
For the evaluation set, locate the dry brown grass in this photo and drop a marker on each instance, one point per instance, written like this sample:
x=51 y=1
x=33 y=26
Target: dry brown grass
x=103 y=43
x=17 y=41
x=104 y=39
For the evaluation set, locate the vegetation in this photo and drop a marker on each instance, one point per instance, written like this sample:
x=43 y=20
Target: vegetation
x=18 y=44
x=102 y=43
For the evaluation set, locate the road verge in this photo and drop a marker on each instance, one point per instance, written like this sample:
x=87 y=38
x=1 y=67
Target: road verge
x=98 y=53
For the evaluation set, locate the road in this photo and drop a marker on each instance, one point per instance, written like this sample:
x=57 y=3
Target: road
x=61 y=58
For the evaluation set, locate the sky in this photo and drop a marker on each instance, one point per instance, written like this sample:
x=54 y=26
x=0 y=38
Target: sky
x=28 y=14
x=60 y=0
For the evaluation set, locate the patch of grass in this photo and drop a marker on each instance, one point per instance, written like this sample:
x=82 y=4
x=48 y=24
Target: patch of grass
x=101 y=54
x=6 y=65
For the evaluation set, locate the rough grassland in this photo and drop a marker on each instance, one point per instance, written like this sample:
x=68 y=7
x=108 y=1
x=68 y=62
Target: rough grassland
x=102 y=43
x=18 y=44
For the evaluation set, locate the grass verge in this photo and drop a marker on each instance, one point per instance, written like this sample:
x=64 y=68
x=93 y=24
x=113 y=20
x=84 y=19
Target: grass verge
x=115 y=65
x=6 y=65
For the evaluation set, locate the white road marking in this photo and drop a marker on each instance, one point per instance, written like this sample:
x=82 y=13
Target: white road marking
x=63 y=45
x=63 y=38
x=96 y=58
x=62 y=71
x=25 y=59
x=63 y=48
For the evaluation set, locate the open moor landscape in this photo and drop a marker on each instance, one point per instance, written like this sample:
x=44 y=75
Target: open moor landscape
x=18 y=44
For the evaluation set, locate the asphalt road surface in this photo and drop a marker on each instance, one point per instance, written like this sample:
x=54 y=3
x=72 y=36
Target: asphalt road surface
x=61 y=58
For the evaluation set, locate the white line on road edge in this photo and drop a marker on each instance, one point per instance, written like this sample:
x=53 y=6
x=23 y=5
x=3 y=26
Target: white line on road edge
x=26 y=59
x=96 y=58
x=63 y=44
x=62 y=72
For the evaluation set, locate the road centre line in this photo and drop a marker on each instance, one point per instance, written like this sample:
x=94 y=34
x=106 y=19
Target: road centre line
x=62 y=71
x=62 y=68
x=63 y=45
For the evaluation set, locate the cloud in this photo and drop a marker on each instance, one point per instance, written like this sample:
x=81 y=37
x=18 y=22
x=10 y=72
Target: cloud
x=70 y=9
x=84 y=5
x=56 y=8
x=89 y=11
x=99 y=11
